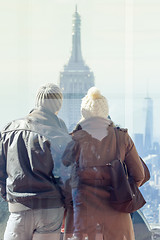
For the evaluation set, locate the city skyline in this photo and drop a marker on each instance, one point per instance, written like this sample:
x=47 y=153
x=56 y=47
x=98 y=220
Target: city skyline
x=36 y=41
x=120 y=43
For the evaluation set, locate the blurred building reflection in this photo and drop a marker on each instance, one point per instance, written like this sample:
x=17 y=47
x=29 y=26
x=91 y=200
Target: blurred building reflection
x=75 y=79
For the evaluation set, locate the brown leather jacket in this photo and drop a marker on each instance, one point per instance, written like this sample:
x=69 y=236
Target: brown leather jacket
x=105 y=152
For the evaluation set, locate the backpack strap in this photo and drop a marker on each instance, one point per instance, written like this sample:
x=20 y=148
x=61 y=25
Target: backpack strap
x=117 y=144
x=118 y=156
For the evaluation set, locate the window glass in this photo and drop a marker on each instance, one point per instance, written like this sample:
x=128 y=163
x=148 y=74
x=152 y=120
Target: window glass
x=119 y=47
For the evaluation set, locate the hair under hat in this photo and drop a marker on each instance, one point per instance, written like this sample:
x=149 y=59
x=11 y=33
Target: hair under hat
x=49 y=96
x=94 y=104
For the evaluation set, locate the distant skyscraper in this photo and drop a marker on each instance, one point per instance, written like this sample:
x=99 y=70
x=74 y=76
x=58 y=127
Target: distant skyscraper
x=138 y=140
x=75 y=79
x=148 y=141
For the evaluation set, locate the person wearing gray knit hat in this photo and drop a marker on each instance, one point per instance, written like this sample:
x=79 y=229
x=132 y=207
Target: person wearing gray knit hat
x=33 y=169
x=49 y=96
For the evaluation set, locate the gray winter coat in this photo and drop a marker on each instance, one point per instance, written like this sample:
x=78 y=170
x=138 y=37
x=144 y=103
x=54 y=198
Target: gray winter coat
x=30 y=160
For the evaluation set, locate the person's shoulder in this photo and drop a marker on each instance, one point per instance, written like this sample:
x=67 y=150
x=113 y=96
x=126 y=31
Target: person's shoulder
x=125 y=130
x=7 y=126
x=122 y=132
x=77 y=128
x=61 y=121
x=62 y=124
x=118 y=128
x=13 y=125
x=78 y=134
x=10 y=125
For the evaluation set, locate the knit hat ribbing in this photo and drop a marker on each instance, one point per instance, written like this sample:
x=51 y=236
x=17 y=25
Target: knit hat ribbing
x=49 y=96
x=94 y=104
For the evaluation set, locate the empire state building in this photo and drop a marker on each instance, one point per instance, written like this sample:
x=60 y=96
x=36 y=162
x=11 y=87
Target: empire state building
x=75 y=79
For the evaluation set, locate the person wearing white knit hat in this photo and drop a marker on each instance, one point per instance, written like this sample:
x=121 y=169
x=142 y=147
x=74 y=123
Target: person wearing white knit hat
x=31 y=175
x=94 y=146
x=94 y=104
x=94 y=111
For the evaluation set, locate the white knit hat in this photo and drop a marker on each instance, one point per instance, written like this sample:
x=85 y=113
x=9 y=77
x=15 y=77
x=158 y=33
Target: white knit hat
x=94 y=104
x=49 y=96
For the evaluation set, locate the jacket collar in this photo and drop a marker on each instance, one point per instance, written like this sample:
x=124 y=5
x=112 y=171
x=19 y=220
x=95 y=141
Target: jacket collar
x=45 y=117
x=96 y=126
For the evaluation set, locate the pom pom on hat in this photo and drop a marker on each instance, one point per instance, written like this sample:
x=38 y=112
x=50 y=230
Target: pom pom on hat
x=94 y=104
x=94 y=93
x=49 y=96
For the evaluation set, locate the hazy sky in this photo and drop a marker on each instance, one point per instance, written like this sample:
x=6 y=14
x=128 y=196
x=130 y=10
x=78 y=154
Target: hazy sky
x=120 y=43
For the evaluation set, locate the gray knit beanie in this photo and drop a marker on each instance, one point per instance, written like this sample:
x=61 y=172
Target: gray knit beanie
x=94 y=104
x=49 y=96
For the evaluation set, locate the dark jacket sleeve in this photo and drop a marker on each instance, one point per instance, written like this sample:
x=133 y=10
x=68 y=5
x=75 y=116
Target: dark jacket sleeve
x=3 y=173
x=69 y=155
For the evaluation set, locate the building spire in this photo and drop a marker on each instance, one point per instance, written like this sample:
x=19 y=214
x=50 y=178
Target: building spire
x=75 y=79
x=76 y=55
